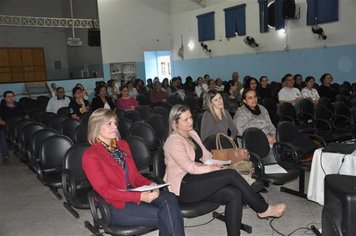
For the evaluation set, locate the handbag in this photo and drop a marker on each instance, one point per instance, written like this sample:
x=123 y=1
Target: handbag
x=234 y=154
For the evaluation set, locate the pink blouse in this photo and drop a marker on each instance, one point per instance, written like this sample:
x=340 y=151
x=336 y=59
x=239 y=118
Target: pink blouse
x=127 y=104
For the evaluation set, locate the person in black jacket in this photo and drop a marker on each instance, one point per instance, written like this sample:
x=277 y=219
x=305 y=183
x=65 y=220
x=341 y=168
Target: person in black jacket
x=326 y=90
x=102 y=100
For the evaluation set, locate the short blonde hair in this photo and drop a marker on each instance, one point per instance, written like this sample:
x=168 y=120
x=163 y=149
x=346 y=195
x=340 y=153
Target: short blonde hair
x=96 y=120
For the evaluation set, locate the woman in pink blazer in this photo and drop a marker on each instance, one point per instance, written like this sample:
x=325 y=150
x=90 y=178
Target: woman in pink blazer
x=111 y=170
x=192 y=181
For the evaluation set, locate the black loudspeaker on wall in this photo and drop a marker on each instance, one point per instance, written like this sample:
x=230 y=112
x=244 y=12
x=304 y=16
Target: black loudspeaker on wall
x=339 y=212
x=94 y=37
x=288 y=9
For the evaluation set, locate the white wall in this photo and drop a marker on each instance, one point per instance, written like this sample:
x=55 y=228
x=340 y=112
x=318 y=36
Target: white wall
x=299 y=35
x=130 y=27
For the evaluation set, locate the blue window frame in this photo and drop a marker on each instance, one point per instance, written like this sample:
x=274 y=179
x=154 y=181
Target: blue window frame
x=280 y=21
x=322 y=11
x=235 y=21
x=206 y=27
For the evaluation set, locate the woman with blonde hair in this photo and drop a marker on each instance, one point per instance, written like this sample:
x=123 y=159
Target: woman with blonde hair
x=193 y=181
x=216 y=119
x=111 y=170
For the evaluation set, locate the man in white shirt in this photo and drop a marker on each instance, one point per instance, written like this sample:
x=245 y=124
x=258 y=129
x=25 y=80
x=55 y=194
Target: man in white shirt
x=289 y=93
x=60 y=100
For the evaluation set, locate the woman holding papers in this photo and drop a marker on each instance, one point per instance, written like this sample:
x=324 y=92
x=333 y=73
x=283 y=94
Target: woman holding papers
x=111 y=170
x=193 y=181
x=216 y=119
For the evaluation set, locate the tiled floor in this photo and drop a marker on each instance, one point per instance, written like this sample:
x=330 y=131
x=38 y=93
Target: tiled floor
x=29 y=208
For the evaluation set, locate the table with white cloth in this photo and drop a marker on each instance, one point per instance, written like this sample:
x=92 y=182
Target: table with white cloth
x=325 y=163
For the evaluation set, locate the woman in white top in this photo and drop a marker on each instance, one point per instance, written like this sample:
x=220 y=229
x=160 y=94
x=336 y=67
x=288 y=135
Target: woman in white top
x=201 y=88
x=308 y=91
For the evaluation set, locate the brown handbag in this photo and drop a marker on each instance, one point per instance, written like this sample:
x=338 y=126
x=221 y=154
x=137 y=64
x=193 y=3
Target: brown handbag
x=234 y=154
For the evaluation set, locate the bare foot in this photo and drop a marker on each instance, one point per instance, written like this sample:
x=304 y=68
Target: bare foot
x=274 y=210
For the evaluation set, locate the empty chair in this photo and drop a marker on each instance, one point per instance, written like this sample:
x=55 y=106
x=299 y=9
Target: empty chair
x=343 y=98
x=146 y=132
x=124 y=127
x=101 y=212
x=38 y=138
x=142 y=99
x=63 y=111
x=42 y=102
x=134 y=116
x=75 y=184
x=294 y=145
x=27 y=136
x=81 y=134
x=57 y=122
x=144 y=110
x=161 y=110
x=69 y=126
x=10 y=128
x=85 y=117
x=50 y=164
x=36 y=115
x=119 y=112
x=256 y=142
x=327 y=103
x=46 y=118
x=160 y=125
x=305 y=112
x=140 y=152
x=325 y=126
x=18 y=132
x=342 y=116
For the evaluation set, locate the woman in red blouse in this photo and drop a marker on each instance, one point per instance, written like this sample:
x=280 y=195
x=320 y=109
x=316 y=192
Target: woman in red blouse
x=126 y=102
x=111 y=170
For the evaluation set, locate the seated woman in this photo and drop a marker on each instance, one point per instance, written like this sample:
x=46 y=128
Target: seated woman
x=158 y=94
x=192 y=181
x=216 y=118
x=309 y=91
x=102 y=100
x=251 y=114
x=231 y=97
x=78 y=105
x=111 y=170
x=126 y=102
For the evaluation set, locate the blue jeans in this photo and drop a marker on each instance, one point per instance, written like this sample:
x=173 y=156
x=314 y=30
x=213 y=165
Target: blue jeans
x=163 y=212
x=3 y=144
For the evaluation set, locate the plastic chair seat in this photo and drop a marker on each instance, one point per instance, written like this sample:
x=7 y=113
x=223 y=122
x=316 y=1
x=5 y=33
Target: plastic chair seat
x=53 y=179
x=191 y=210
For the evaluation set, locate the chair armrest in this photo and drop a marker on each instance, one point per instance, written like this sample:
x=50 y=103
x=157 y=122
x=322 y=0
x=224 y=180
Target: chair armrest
x=100 y=210
x=325 y=123
x=317 y=138
x=305 y=115
x=282 y=160
x=342 y=118
x=287 y=118
x=259 y=167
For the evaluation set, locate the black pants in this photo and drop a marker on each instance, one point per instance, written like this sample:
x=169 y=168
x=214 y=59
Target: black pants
x=225 y=187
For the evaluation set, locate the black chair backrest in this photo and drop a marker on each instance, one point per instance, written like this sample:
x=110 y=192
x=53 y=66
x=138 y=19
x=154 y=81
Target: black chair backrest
x=322 y=112
x=197 y=118
x=69 y=126
x=343 y=98
x=287 y=132
x=38 y=138
x=190 y=101
x=140 y=151
x=53 y=151
x=119 y=113
x=19 y=129
x=340 y=108
x=159 y=124
x=326 y=102
x=159 y=166
x=57 y=122
x=353 y=116
x=28 y=133
x=174 y=100
x=36 y=115
x=124 y=126
x=161 y=110
x=46 y=118
x=84 y=118
x=306 y=106
x=10 y=126
x=255 y=141
x=146 y=132
x=134 y=116
x=73 y=162
x=210 y=142
x=81 y=134
x=287 y=110
x=142 y=99
x=270 y=104
x=144 y=110
x=63 y=111
x=353 y=102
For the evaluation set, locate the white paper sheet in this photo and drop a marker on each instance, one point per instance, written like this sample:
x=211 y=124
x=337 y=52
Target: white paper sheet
x=145 y=188
x=216 y=162
x=274 y=169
